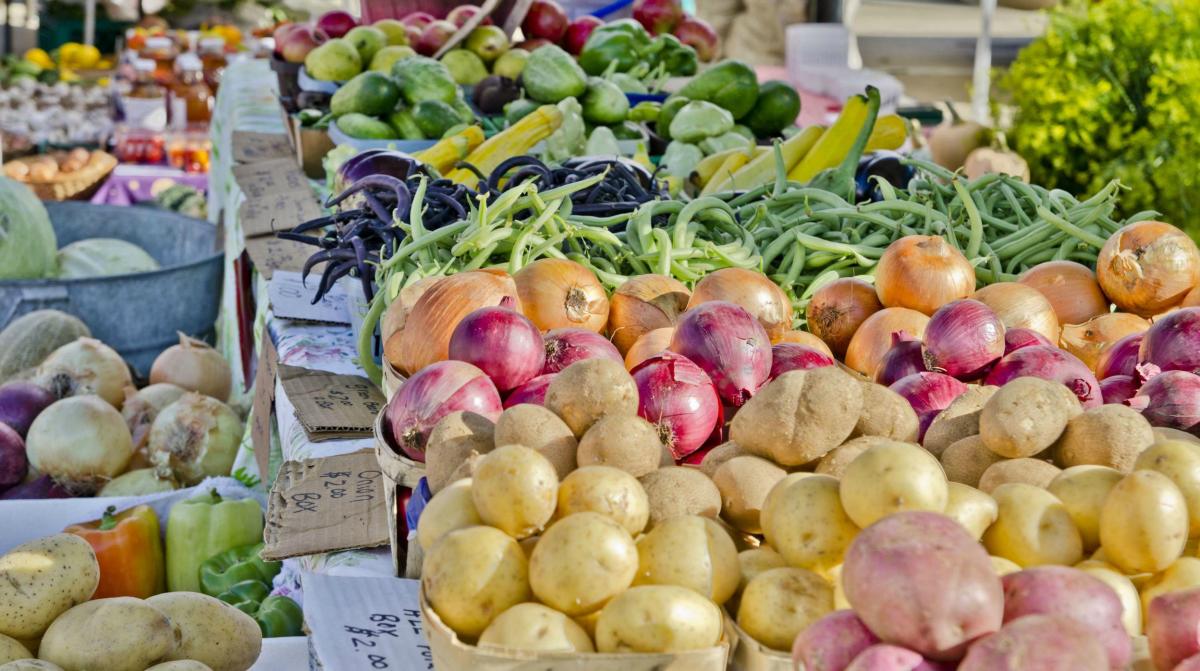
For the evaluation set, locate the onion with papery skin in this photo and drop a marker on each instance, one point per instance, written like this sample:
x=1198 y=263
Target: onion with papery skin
x=650 y=344
x=1070 y=287
x=434 y=392
x=20 y=404
x=564 y=347
x=1170 y=399
x=81 y=442
x=140 y=409
x=533 y=391
x=1091 y=339
x=642 y=304
x=194 y=438
x=502 y=343
x=425 y=338
x=787 y=356
x=679 y=399
x=193 y=366
x=86 y=366
x=13 y=464
x=1015 y=339
x=140 y=482
x=903 y=359
x=751 y=290
x=838 y=309
x=1148 y=266
x=805 y=338
x=1048 y=363
x=728 y=344
x=391 y=324
x=1121 y=358
x=922 y=273
x=1173 y=342
x=873 y=339
x=41 y=487
x=963 y=339
x=1192 y=300
x=1118 y=388
x=558 y=293
x=928 y=394
x=1019 y=306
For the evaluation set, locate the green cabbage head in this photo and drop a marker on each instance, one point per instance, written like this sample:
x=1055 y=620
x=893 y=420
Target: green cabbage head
x=27 y=241
x=97 y=257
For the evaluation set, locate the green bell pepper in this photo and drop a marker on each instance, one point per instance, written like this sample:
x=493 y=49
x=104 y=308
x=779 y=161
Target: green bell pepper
x=203 y=527
x=232 y=567
x=279 y=616
x=623 y=42
x=666 y=114
x=645 y=111
x=247 y=591
x=677 y=58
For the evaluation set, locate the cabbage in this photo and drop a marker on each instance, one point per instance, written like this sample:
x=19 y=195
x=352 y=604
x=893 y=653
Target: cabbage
x=27 y=241
x=96 y=257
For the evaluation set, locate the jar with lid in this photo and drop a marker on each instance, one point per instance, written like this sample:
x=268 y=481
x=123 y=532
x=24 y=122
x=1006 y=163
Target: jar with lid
x=191 y=98
x=212 y=55
x=162 y=51
x=146 y=104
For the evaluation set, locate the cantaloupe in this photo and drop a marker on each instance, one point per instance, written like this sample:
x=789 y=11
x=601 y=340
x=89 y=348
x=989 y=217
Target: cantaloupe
x=30 y=338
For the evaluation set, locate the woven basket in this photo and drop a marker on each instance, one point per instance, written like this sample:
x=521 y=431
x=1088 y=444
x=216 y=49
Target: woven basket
x=78 y=185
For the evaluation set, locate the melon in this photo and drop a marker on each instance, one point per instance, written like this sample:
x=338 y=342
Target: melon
x=29 y=339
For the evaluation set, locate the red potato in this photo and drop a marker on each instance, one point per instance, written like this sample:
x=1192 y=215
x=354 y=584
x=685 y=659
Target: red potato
x=1173 y=628
x=1037 y=643
x=884 y=657
x=1189 y=664
x=1069 y=592
x=919 y=580
x=832 y=642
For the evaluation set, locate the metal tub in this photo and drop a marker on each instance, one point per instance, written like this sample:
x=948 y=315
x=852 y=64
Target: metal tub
x=136 y=314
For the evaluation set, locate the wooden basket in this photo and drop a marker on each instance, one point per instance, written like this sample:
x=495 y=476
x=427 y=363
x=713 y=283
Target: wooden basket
x=78 y=185
x=399 y=472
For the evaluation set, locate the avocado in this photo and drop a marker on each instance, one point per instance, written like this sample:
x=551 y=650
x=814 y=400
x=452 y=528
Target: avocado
x=363 y=127
x=730 y=84
x=371 y=93
x=777 y=106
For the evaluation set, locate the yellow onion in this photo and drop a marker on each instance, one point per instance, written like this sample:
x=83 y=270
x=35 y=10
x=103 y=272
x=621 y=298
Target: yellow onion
x=650 y=344
x=922 y=273
x=86 y=366
x=874 y=338
x=838 y=309
x=1020 y=307
x=1091 y=339
x=193 y=366
x=1147 y=267
x=425 y=338
x=139 y=411
x=642 y=304
x=1070 y=287
x=1192 y=300
x=392 y=321
x=195 y=437
x=805 y=338
x=557 y=293
x=753 y=292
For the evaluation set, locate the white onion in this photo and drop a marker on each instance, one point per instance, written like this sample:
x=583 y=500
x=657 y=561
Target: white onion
x=194 y=366
x=86 y=366
x=139 y=411
x=195 y=437
x=81 y=442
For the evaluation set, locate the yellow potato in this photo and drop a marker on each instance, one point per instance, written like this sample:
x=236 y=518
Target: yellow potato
x=606 y=490
x=1131 y=612
x=756 y=560
x=30 y=665
x=1032 y=528
x=780 y=603
x=658 y=618
x=181 y=665
x=11 y=649
x=515 y=489
x=971 y=508
x=41 y=579
x=834 y=576
x=117 y=634
x=1082 y=489
x=451 y=508
x=1004 y=566
x=804 y=521
x=532 y=626
x=889 y=478
x=212 y=631
x=581 y=562
x=472 y=575
x=1179 y=461
x=693 y=552
x=1144 y=523
x=1183 y=574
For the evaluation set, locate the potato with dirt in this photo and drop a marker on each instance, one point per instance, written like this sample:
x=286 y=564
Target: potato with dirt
x=672 y=491
x=719 y=455
x=693 y=552
x=967 y=459
x=1111 y=435
x=1032 y=528
x=836 y=460
x=799 y=416
x=212 y=631
x=803 y=520
x=540 y=430
x=959 y=420
x=889 y=478
x=41 y=580
x=453 y=442
x=886 y=414
x=1024 y=470
x=587 y=390
x=629 y=443
x=744 y=483
x=115 y=634
x=1024 y=417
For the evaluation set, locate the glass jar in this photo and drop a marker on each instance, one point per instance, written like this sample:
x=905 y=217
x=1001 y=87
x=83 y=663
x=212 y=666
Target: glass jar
x=212 y=56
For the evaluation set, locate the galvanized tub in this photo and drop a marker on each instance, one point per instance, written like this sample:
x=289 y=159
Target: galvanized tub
x=136 y=314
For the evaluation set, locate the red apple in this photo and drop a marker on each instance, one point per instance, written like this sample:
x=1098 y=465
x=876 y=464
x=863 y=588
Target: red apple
x=280 y=33
x=546 y=19
x=434 y=36
x=295 y=44
x=336 y=23
x=463 y=13
x=418 y=20
x=532 y=45
x=578 y=32
x=699 y=35
x=658 y=16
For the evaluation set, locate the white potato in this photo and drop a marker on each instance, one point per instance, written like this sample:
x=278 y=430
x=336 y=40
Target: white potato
x=532 y=626
x=658 y=618
x=971 y=508
x=1083 y=489
x=581 y=562
x=472 y=575
x=1032 y=528
x=1144 y=523
x=116 y=634
x=451 y=508
x=693 y=552
x=41 y=579
x=804 y=521
x=212 y=631
x=889 y=478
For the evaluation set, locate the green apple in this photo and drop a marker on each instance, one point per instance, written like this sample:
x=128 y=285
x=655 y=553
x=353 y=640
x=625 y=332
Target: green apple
x=394 y=30
x=487 y=42
x=368 y=40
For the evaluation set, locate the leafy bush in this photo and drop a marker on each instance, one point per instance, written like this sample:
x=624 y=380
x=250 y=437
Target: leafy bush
x=1113 y=91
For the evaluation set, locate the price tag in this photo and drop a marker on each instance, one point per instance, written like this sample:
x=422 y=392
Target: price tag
x=331 y=406
x=278 y=196
x=365 y=623
x=292 y=299
x=251 y=147
x=269 y=254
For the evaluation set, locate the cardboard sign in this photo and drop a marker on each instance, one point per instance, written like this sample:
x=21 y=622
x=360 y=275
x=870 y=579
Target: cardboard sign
x=263 y=405
x=278 y=197
x=326 y=505
x=365 y=623
x=331 y=406
x=269 y=254
x=292 y=299
x=252 y=147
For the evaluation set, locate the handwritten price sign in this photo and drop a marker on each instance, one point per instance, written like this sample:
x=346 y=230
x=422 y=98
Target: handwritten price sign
x=365 y=623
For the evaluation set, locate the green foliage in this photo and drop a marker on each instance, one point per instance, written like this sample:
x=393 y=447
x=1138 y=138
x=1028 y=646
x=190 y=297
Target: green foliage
x=1112 y=91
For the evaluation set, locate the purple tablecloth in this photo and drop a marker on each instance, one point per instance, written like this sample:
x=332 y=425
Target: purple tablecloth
x=131 y=184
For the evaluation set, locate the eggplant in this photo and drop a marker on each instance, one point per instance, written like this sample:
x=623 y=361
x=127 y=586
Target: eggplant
x=377 y=162
x=887 y=165
x=492 y=93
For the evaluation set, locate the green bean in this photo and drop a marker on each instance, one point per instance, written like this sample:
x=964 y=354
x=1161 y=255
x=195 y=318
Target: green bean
x=1070 y=229
x=976 y=237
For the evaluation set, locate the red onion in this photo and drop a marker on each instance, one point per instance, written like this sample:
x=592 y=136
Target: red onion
x=1170 y=399
x=434 y=392
x=1048 y=363
x=928 y=394
x=963 y=339
x=502 y=343
x=20 y=403
x=902 y=360
x=787 y=356
x=1118 y=388
x=533 y=391
x=1173 y=342
x=44 y=487
x=678 y=398
x=567 y=345
x=1016 y=338
x=729 y=344
x=1120 y=358
x=13 y=463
